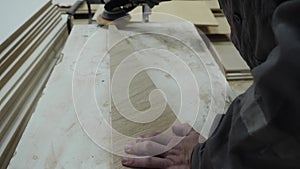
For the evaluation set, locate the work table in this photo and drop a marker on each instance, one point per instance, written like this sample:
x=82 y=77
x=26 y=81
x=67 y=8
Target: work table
x=54 y=137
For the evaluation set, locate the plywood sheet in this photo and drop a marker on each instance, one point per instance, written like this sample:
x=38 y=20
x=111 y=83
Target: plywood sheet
x=62 y=142
x=20 y=39
x=230 y=57
x=223 y=27
x=24 y=101
x=15 y=20
x=55 y=138
x=139 y=91
x=213 y=4
x=194 y=11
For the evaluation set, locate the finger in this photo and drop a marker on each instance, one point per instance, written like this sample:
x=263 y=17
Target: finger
x=140 y=139
x=158 y=137
x=161 y=138
x=168 y=153
x=174 y=152
x=149 y=162
x=145 y=148
x=145 y=138
x=182 y=129
x=174 y=143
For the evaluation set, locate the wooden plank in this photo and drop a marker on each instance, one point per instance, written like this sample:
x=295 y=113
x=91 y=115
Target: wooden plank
x=20 y=85
x=223 y=27
x=10 y=89
x=20 y=42
x=230 y=61
x=116 y=163
x=230 y=57
x=10 y=139
x=28 y=99
x=140 y=88
x=70 y=147
x=239 y=76
x=17 y=34
x=19 y=56
x=54 y=138
x=213 y=5
x=196 y=12
x=187 y=35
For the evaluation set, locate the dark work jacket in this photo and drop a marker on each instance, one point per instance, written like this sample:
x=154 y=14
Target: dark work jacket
x=261 y=129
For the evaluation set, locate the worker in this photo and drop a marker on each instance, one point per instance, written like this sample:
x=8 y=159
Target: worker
x=261 y=129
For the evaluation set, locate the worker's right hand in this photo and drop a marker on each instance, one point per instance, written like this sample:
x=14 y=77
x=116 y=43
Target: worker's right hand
x=175 y=157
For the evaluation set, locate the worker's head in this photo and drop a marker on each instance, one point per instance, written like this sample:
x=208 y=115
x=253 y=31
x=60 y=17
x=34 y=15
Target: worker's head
x=251 y=27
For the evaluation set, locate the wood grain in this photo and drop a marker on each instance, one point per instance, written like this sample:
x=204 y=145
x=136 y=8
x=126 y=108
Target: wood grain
x=139 y=91
x=54 y=137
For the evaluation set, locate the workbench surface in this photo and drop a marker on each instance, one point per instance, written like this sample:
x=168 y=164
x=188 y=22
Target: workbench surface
x=54 y=137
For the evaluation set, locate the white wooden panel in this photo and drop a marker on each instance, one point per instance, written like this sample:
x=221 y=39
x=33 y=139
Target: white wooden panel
x=14 y=20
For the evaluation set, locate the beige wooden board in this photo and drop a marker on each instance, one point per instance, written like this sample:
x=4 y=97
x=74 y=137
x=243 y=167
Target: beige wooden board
x=19 y=71
x=54 y=137
x=36 y=60
x=194 y=11
x=21 y=38
x=12 y=129
x=222 y=28
x=186 y=33
x=17 y=58
x=213 y=4
x=19 y=123
x=230 y=57
x=46 y=66
x=139 y=90
x=20 y=27
x=12 y=111
x=239 y=76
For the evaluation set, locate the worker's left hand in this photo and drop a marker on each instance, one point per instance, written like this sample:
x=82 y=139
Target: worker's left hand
x=175 y=157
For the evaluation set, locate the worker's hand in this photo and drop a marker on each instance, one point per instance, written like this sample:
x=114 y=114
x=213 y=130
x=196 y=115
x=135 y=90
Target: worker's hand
x=178 y=149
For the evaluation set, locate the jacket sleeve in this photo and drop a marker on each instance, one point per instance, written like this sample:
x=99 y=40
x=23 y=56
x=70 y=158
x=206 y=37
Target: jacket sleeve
x=261 y=129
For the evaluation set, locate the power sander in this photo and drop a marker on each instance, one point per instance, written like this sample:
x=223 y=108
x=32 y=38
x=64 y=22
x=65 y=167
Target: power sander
x=118 y=9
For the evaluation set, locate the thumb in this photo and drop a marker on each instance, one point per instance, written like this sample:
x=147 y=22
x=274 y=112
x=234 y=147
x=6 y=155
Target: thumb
x=182 y=129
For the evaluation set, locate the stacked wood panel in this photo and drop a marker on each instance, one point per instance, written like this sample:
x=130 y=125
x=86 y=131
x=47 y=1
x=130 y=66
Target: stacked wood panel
x=27 y=57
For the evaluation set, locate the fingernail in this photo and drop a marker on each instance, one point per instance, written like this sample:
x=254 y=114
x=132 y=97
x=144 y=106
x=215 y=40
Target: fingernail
x=125 y=160
x=128 y=147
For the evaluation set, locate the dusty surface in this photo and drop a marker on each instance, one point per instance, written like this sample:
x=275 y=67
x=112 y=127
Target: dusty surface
x=240 y=86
